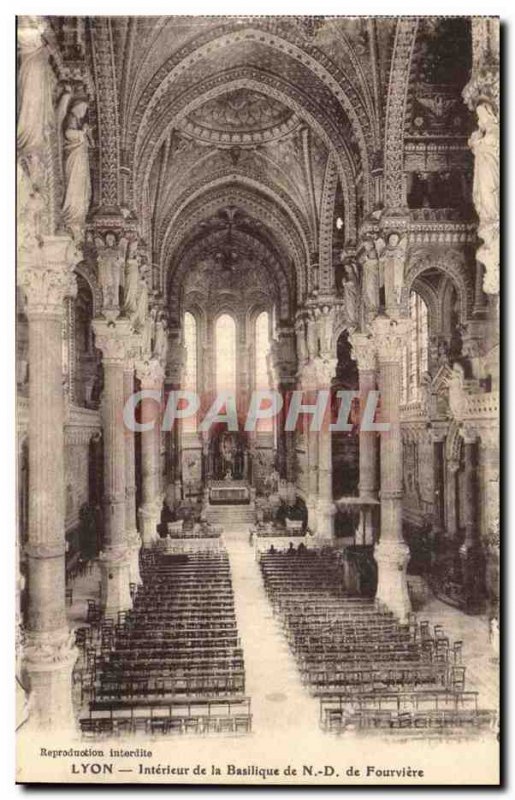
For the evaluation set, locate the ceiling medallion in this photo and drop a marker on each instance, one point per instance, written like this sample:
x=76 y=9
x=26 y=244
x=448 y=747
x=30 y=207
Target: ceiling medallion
x=241 y=117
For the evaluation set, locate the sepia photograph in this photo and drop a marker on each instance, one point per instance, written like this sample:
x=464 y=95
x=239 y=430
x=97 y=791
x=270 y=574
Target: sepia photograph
x=258 y=400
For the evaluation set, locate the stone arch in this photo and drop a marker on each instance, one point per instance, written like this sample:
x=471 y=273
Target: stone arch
x=451 y=263
x=252 y=78
x=329 y=75
x=400 y=70
x=236 y=178
x=287 y=241
x=268 y=258
x=325 y=244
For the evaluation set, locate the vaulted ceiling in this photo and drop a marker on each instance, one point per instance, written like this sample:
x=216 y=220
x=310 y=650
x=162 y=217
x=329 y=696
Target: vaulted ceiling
x=276 y=122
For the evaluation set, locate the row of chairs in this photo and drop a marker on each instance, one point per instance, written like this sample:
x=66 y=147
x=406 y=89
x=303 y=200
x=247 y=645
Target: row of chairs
x=368 y=670
x=179 y=643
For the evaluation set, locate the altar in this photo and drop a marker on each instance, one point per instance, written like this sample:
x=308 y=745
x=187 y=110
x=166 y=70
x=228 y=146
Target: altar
x=229 y=492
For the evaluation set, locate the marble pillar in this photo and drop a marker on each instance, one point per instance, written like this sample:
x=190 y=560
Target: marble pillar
x=364 y=350
x=49 y=653
x=113 y=339
x=392 y=553
x=133 y=537
x=151 y=376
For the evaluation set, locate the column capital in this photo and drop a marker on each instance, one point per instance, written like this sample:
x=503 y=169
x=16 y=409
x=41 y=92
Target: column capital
x=150 y=373
x=364 y=350
x=390 y=336
x=46 y=274
x=113 y=339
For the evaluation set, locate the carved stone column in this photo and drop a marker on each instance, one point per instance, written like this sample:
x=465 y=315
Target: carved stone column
x=133 y=537
x=391 y=554
x=151 y=376
x=316 y=375
x=285 y=365
x=438 y=483
x=49 y=653
x=364 y=350
x=471 y=552
x=113 y=339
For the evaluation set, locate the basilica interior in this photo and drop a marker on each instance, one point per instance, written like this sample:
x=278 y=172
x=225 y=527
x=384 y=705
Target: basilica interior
x=241 y=204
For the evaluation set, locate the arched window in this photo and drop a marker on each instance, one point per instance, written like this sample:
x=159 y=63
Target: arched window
x=190 y=343
x=415 y=354
x=262 y=350
x=190 y=370
x=261 y=361
x=225 y=343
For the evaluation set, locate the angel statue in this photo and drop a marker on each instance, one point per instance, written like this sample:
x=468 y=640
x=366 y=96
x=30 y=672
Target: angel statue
x=350 y=291
x=76 y=143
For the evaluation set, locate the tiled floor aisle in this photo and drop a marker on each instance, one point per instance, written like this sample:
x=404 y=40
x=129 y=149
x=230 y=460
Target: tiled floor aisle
x=279 y=700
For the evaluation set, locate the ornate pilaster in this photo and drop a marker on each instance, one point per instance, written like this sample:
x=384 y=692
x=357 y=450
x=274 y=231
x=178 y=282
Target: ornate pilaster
x=471 y=552
x=45 y=274
x=151 y=375
x=364 y=350
x=113 y=339
x=481 y=94
x=285 y=365
x=133 y=537
x=391 y=554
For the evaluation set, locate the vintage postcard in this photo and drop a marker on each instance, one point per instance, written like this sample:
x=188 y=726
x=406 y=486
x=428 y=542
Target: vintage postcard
x=258 y=400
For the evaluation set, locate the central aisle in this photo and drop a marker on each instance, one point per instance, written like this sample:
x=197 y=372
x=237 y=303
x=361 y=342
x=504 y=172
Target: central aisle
x=280 y=703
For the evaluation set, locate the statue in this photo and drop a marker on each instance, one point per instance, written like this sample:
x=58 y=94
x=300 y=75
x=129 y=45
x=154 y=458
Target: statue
x=142 y=304
x=311 y=338
x=148 y=333
x=132 y=280
x=110 y=262
x=484 y=143
x=350 y=291
x=394 y=259
x=370 y=272
x=36 y=112
x=302 y=351
x=325 y=324
x=161 y=340
x=457 y=395
x=77 y=181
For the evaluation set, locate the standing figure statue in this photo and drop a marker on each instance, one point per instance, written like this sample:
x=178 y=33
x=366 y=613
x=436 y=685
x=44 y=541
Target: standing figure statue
x=484 y=143
x=142 y=304
x=132 y=280
x=111 y=256
x=394 y=260
x=370 y=272
x=35 y=108
x=77 y=181
x=325 y=324
x=148 y=334
x=161 y=340
x=350 y=291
